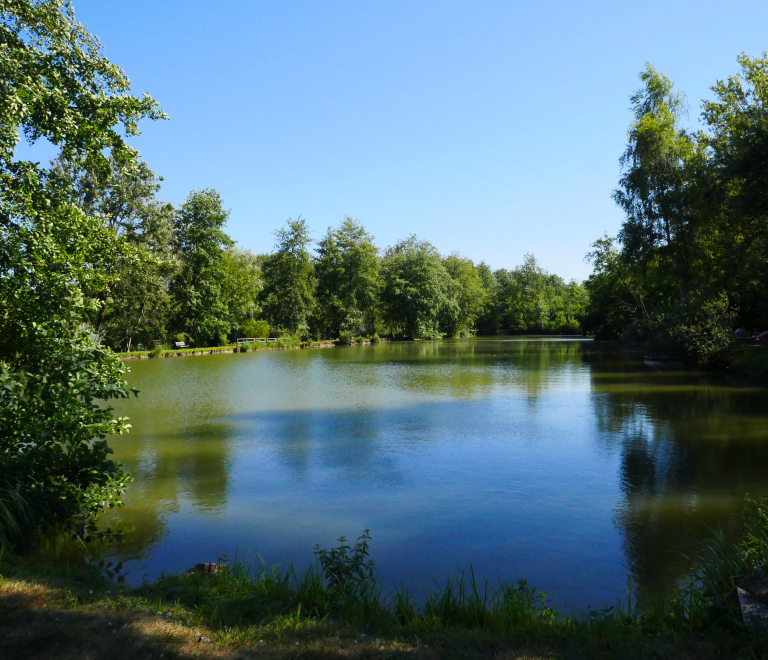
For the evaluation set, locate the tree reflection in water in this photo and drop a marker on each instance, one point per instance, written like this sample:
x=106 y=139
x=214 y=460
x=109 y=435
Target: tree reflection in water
x=691 y=445
x=560 y=461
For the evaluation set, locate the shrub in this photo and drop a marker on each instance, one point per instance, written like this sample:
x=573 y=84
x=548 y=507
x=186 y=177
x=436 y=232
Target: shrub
x=345 y=337
x=55 y=466
x=706 y=336
x=286 y=340
x=243 y=348
x=258 y=329
x=359 y=340
x=376 y=339
x=348 y=571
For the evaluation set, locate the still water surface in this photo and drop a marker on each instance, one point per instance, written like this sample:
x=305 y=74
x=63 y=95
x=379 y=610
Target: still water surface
x=574 y=466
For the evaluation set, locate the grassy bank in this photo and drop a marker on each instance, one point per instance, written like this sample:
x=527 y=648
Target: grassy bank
x=232 y=348
x=232 y=610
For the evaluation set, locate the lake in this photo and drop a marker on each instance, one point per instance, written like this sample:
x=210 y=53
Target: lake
x=570 y=464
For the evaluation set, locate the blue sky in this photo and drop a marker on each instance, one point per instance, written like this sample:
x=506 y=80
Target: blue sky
x=488 y=128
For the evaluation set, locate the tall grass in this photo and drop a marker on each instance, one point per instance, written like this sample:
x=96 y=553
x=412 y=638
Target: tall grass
x=720 y=564
x=245 y=603
x=242 y=595
x=21 y=519
x=248 y=601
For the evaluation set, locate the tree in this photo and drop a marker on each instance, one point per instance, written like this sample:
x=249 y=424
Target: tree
x=615 y=298
x=737 y=120
x=487 y=320
x=657 y=190
x=198 y=291
x=348 y=282
x=467 y=296
x=56 y=85
x=416 y=288
x=240 y=286
x=287 y=297
x=138 y=305
x=535 y=293
x=136 y=302
x=694 y=241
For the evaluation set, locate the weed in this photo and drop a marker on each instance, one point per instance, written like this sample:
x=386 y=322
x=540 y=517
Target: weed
x=349 y=573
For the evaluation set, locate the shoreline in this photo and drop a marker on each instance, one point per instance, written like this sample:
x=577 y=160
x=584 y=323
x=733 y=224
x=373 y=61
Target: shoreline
x=185 y=352
x=227 y=611
x=215 y=350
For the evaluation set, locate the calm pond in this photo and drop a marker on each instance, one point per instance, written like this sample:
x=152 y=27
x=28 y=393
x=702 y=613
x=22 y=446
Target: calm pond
x=569 y=464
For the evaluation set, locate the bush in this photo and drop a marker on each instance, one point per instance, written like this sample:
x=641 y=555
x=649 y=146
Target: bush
x=348 y=571
x=286 y=340
x=243 y=348
x=256 y=329
x=345 y=337
x=54 y=459
x=706 y=336
x=359 y=340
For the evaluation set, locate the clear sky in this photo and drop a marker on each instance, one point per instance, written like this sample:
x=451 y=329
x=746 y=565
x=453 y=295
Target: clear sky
x=488 y=128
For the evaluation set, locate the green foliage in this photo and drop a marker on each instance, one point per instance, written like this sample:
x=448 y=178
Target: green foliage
x=135 y=304
x=57 y=86
x=529 y=299
x=287 y=340
x=615 y=298
x=707 y=334
x=719 y=565
x=736 y=195
x=241 y=284
x=348 y=282
x=287 y=297
x=52 y=428
x=348 y=571
x=375 y=339
x=694 y=234
x=256 y=329
x=345 y=338
x=466 y=296
x=199 y=290
x=416 y=288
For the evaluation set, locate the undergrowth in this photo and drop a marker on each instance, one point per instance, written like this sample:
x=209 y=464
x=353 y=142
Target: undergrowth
x=243 y=605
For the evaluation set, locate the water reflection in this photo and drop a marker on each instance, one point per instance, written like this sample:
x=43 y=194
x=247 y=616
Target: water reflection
x=559 y=461
x=690 y=447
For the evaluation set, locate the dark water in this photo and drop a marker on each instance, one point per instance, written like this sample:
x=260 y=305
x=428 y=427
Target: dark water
x=574 y=466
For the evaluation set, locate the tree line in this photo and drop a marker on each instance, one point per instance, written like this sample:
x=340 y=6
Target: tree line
x=690 y=263
x=182 y=277
x=91 y=259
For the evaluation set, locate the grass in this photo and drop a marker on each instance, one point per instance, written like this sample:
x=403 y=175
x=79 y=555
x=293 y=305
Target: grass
x=337 y=607
x=165 y=351
x=51 y=610
x=281 y=343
